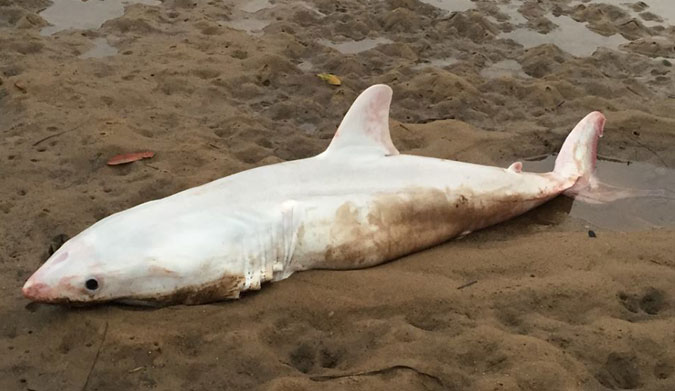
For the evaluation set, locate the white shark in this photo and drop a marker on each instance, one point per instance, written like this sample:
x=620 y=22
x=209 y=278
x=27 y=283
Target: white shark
x=357 y=204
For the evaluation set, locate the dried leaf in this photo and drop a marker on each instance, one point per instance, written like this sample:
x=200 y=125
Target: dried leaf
x=129 y=157
x=19 y=85
x=330 y=79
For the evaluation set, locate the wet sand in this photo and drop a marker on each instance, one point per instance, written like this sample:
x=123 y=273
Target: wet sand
x=213 y=89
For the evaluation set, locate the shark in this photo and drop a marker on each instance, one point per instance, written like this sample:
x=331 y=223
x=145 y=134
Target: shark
x=357 y=204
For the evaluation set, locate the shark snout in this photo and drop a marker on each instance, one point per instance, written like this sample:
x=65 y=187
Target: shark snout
x=36 y=291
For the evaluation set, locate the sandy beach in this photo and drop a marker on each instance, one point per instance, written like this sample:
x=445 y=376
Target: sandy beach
x=214 y=88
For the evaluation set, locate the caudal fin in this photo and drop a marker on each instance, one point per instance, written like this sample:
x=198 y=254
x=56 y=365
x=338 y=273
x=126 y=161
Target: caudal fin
x=578 y=155
x=576 y=163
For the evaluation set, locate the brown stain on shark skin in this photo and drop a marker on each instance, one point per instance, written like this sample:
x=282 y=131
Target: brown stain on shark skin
x=400 y=223
x=226 y=287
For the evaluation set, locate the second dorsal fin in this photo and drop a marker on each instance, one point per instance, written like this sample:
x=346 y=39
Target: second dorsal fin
x=365 y=127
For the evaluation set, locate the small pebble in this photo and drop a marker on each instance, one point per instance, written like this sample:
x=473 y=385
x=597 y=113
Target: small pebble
x=591 y=234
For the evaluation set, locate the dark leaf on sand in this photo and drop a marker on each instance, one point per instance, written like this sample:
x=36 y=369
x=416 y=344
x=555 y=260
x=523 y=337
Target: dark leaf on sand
x=129 y=157
x=20 y=86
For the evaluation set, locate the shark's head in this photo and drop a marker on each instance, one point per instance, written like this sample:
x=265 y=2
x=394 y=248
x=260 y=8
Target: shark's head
x=144 y=264
x=79 y=273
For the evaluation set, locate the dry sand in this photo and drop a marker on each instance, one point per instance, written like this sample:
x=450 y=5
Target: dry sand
x=549 y=308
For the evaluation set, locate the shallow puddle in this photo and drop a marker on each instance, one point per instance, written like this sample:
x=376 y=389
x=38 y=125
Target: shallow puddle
x=254 y=5
x=252 y=16
x=84 y=15
x=570 y=36
x=249 y=24
x=630 y=214
x=306 y=66
x=87 y=15
x=101 y=49
x=511 y=10
x=664 y=9
x=243 y=17
x=508 y=68
x=436 y=62
x=353 y=47
x=574 y=37
x=451 y=5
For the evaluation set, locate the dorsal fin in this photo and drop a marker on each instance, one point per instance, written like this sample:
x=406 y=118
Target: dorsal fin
x=365 y=127
x=516 y=167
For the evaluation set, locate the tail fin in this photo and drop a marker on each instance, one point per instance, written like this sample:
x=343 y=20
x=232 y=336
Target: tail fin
x=578 y=155
x=576 y=162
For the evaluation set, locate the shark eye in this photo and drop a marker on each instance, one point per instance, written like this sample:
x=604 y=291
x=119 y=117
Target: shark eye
x=91 y=284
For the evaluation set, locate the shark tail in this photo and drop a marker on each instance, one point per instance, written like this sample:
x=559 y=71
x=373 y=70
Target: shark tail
x=578 y=156
x=576 y=162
